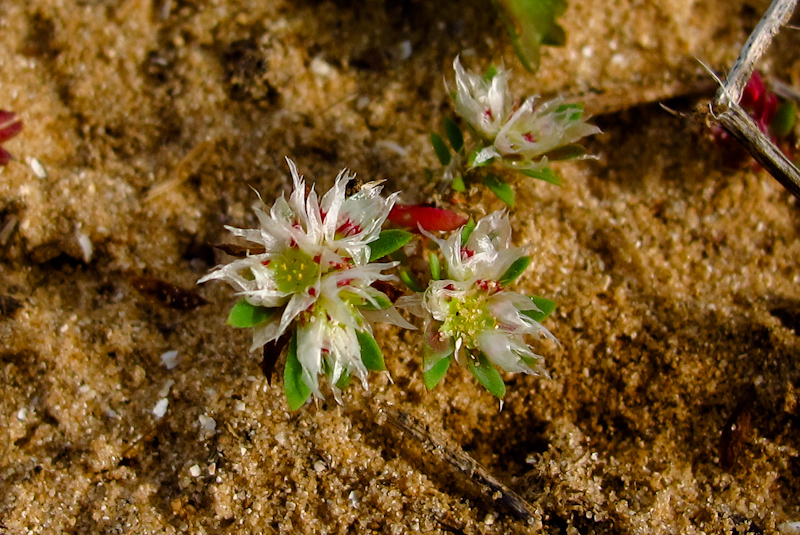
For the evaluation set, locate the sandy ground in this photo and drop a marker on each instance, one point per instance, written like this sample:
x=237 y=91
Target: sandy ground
x=676 y=280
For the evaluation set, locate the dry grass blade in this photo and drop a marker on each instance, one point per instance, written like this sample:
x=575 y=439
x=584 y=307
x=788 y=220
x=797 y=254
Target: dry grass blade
x=459 y=459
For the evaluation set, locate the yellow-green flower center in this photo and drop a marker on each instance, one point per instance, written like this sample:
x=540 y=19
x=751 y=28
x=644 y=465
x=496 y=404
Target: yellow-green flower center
x=294 y=271
x=467 y=318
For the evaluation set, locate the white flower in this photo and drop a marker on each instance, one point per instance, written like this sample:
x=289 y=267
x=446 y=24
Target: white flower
x=471 y=309
x=314 y=271
x=483 y=104
x=531 y=133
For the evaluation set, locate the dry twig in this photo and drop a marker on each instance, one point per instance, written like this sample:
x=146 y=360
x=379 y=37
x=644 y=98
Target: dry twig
x=459 y=459
x=725 y=108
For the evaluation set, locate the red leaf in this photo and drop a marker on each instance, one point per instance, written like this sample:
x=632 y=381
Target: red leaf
x=7 y=132
x=753 y=91
x=427 y=217
x=6 y=116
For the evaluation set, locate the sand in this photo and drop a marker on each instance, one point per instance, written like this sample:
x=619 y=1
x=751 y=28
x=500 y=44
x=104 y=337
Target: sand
x=676 y=278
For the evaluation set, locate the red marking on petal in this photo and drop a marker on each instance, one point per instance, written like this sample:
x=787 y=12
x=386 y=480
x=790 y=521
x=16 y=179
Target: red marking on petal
x=529 y=137
x=427 y=217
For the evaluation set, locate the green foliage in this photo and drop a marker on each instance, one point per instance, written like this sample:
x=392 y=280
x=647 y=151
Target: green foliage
x=440 y=148
x=546 y=174
x=453 y=133
x=371 y=354
x=344 y=381
x=466 y=232
x=458 y=184
x=545 y=306
x=567 y=152
x=783 y=121
x=297 y=392
x=244 y=315
x=382 y=300
x=486 y=375
x=388 y=242
x=502 y=189
x=436 y=268
x=515 y=270
x=577 y=110
x=433 y=376
x=531 y=24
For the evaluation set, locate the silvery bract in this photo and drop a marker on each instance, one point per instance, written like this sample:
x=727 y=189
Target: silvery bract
x=314 y=275
x=516 y=137
x=470 y=312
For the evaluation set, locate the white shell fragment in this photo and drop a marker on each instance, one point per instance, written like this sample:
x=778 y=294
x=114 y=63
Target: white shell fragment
x=161 y=408
x=85 y=244
x=37 y=167
x=170 y=359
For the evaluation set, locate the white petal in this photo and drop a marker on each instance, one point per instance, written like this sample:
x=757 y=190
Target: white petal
x=506 y=351
x=388 y=315
x=310 y=338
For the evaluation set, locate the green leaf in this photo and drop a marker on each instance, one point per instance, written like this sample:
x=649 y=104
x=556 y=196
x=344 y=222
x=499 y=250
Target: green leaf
x=567 y=152
x=515 y=270
x=439 y=147
x=545 y=306
x=472 y=156
x=466 y=232
x=783 y=121
x=388 y=242
x=243 y=314
x=344 y=381
x=577 y=110
x=490 y=73
x=371 y=354
x=453 y=133
x=502 y=189
x=458 y=184
x=381 y=299
x=297 y=392
x=408 y=279
x=436 y=268
x=433 y=376
x=486 y=375
x=556 y=36
x=531 y=24
x=546 y=174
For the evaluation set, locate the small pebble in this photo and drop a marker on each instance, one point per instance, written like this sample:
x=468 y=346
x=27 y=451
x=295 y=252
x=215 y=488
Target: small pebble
x=37 y=167
x=208 y=423
x=170 y=359
x=194 y=470
x=161 y=408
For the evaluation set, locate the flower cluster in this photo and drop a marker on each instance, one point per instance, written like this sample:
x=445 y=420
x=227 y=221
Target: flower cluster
x=468 y=312
x=522 y=137
x=310 y=273
x=10 y=126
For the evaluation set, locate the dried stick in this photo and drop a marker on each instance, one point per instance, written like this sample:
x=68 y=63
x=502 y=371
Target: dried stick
x=725 y=107
x=459 y=459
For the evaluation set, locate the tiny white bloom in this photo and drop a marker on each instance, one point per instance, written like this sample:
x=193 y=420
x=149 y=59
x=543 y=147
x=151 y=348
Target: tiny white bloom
x=483 y=104
x=531 y=133
x=518 y=137
x=471 y=309
x=313 y=272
